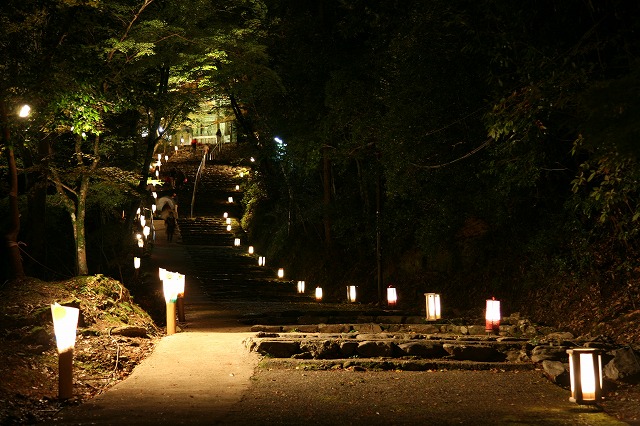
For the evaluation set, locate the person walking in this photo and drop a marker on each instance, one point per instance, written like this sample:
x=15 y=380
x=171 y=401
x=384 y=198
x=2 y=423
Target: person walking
x=170 y=226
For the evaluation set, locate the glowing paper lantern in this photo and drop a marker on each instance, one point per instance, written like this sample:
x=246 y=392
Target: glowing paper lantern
x=492 y=316
x=237 y=187
x=236 y=242
x=262 y=261
x=250 y=250
x=318 y=293
x=225 y=215
x=351 y=293
x=433 y=306
x=228 y=227
x=146 y=231
x=585 y=372
x=281 y=273
x=65 y=322
x=136 y=262
x=392 y=296
x=228 y=221
x=300 y=287
x=230 y=199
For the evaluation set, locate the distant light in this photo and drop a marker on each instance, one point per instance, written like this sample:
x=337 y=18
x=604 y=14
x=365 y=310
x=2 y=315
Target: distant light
x=250 y=250
x=136 y=262
x=277 y=139
x=236 y=242
x=230 y=199
x=262 y=261
x=318 y=293
x=228 y=221
x=433 y=306
x=392 y=296
x=281 y=273
x=351 y=293
x=25 y=110
x=301 y=287
x=237 y=187
x=228 y=227
x=492 y=316
x=253 y=159
x=225 y=215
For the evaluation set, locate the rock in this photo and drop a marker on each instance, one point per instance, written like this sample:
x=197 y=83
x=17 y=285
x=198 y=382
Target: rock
x=517 y=355
x=348 y=348
x=266 y=328
x=481 y=353
x=423 y=349
x=333 y=328
x=560 y=336
x=129 y=331
x=367 y=328
x=556 y=372
x=320 y=349
x=425 y=328
x=624 y=365
x=277 y=348
x=476 y=330
x=374 y=349
x=551 y=353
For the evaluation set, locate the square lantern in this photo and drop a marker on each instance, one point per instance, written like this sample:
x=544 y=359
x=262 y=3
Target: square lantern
x=351 y=293
x=65 y=323
x=230 y=199
x=171 y=287
x=236 y=242
x=280 y=273
x=225 y=215
x=262 y=261
x=301 y=287
x=237 y=187
x=136 y=262
x=585 y=372
x=392 y=296
x=433 y=306
x=318 y=294
x=228 y=227
x=492 y=316
x=228 y=221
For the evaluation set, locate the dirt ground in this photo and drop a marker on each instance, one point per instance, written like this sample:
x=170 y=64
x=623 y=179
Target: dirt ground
x=290 y=396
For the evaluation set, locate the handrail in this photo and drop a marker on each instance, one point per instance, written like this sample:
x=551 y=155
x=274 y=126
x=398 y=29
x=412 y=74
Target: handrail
x=195 y=181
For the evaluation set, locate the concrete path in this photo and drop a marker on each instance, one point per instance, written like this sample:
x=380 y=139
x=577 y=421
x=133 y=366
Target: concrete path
x=193 y=377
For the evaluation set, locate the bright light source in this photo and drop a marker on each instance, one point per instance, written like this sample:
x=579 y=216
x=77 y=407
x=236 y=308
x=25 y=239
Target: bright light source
x=228 y=221
x=351 y=293
x=225 y=215
x=492 y=315
x=146 y=231
x=277 y=139
x=281 y=273
x=585 y=372
x=230 y=199
x=65 y=322
x=25 y=110
x=250 y=250
x=236 y=242
x=262 y=261
x=392 y=296
x=237 y=187
x=136 y=262
x=300 y=287
x=318 y=293
x=433 y=306
x=228 y=227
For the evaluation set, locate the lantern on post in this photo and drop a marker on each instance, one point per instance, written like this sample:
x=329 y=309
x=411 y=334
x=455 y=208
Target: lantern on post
x=280 y=273
x=65 y=322
x=392 y=296
x=492 y=316
x=170 y=286
x=585 y=372
x=318 y=294
x=433 y=306
x=301 y=287
x=351 y=293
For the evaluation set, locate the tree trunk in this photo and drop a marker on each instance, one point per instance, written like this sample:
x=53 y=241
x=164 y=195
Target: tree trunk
x=81 y=243
x=15 y=260
x=326 y=199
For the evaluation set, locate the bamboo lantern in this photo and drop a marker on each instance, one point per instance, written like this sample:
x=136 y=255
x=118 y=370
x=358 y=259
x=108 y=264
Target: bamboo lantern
x=433 y=306
x=585 y=372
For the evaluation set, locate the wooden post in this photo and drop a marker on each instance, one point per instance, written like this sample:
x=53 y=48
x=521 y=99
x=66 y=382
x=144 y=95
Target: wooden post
x=65 y=374
x=171 y=318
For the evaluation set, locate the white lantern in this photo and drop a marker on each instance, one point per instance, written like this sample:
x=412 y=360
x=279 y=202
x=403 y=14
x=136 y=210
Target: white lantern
x=301 y=287
x=143 y=221
x=159 y=156
x=230 y=199
x=262 y=261
x=351 y=293
x=146 y=231
x=236 y=242
x=162 y=273
x=228 y=227
x=585 y=372
x=433 y=306
x=318 y=293
x=166 y=158
x=136 y=262
x=492 y=315
x=241 y=174
x=228 y=221
x=225 y=215
x=140 y=240
x=281 y=273
x=155 y=195
x=65 y=322
x=250 y=250
x=392 y=296
x=154 y=208
x=237 y=187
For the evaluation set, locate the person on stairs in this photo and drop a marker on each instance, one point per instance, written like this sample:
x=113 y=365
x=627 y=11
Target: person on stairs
x=170 y=226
